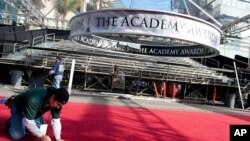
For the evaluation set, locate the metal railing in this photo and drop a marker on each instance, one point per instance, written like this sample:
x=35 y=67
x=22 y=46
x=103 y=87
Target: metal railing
x=50 y=37
x=212 y=61
x=18 y=47
x=100 y=60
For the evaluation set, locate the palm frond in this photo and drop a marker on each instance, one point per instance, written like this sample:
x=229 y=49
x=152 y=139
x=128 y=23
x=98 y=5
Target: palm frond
x=65 y=6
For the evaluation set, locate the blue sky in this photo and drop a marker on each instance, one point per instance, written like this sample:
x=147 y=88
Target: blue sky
x=148 y=4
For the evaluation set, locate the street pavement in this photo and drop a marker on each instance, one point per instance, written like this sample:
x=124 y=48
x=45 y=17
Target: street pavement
x=104 y=98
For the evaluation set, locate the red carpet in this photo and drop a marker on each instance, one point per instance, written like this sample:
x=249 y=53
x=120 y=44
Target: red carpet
x=86 y=122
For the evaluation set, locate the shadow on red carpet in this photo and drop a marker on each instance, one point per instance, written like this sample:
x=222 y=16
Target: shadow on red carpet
x=90 y=122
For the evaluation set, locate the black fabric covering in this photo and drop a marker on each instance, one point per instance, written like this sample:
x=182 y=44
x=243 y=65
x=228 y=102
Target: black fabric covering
x=242 y=59
x=38 y=78
x=9 y=35
x=8 y=48
x=248 y=100
x=36 y=33
x=3 y=25
x=224 y=62
x=24 y=35
x=19 y=28
x=60 y=34
x=5 y=29
x=244 y=72
x=213 y=61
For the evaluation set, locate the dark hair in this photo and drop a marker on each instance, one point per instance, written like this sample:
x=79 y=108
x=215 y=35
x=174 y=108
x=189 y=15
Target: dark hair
x=59 y=58
x=116 y=67
x=61 y=94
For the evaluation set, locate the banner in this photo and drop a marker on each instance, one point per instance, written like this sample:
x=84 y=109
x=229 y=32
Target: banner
x=176 y=51
x=121 y=46
x=153 y=24
x=103 y=43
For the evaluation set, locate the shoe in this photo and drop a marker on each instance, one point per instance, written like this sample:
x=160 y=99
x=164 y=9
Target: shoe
x=9 y=101
x=3 y=100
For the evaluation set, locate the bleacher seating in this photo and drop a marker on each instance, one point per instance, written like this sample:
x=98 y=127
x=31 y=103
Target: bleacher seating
x=99 y=61
x=134 y=65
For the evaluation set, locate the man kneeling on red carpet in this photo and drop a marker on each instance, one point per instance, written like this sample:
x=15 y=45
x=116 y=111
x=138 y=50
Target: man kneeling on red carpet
x=27 y=109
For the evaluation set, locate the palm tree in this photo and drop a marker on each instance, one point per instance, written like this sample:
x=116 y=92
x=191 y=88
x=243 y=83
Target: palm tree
x=64 y=6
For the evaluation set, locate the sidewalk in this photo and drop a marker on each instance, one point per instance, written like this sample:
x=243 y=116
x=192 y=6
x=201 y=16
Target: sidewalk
x=7 y=90
x=105 y=98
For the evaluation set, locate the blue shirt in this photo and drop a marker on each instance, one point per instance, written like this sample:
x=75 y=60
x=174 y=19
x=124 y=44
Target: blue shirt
x=58 y=68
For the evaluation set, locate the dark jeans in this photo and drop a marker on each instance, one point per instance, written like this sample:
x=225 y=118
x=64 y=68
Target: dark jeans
x=15 y=125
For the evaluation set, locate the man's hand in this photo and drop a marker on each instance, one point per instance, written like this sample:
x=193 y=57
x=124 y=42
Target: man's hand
x=45 y=138
x=50 y=73
x=59 y=139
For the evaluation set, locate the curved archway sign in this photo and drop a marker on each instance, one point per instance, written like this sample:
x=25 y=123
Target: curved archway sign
x=146 y=32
